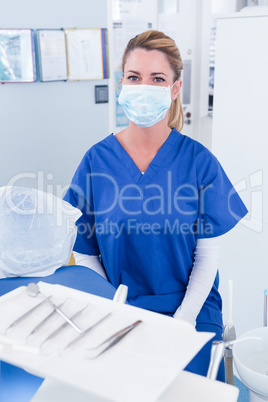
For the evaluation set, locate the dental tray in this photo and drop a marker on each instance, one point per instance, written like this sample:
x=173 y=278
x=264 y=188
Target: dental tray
x=139 y=367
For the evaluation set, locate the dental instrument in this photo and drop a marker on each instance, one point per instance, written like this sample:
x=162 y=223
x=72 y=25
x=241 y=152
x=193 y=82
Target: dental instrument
x=40 y=325
x=25 y=315
x=217 y=351
x=33 y=291
x=229 y=335
x=80 y=336
x=120 y=296
x=61 y=327
x=112 y=340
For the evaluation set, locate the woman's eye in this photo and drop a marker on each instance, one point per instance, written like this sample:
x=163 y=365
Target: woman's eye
x=132 y=78
x=159 y=79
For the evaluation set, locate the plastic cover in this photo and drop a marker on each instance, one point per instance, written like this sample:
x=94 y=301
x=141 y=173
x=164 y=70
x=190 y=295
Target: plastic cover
x=37 y=232
x=17 y=55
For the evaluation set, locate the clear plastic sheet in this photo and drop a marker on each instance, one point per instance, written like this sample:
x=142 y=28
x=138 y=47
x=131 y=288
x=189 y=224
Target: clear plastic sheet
x=17 y=55
x=37 y=232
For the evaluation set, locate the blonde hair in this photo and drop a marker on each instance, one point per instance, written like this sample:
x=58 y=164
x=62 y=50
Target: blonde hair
x=156 y=40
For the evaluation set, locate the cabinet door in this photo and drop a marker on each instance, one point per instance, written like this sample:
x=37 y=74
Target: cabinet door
x=240 y=141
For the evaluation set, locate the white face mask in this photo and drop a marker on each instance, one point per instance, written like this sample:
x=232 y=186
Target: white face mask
x=145 y=105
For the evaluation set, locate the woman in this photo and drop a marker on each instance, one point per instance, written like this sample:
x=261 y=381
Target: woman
x=154 y=201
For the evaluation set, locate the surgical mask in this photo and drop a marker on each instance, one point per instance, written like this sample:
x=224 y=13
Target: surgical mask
x=145 y=105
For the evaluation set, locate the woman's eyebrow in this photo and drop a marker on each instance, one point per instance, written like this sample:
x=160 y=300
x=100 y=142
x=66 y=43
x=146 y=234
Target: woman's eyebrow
x=134 y=72
x=158 y=74
x=152 y=74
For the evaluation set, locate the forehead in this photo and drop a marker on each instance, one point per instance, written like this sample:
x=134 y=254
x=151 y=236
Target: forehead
x=153 y=60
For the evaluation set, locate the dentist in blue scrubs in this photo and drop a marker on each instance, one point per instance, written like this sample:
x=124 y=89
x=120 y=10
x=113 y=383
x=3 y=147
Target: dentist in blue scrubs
x=154 y=201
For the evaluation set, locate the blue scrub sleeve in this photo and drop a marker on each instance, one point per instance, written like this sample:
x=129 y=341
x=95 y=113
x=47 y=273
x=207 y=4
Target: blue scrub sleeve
x=79 y=195
x=220 y=206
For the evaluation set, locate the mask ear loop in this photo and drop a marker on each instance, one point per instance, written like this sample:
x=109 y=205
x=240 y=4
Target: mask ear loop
x=118 y=89
x=171 y=88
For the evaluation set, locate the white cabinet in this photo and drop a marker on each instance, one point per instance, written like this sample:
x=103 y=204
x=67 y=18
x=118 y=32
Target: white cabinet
x=240 y=141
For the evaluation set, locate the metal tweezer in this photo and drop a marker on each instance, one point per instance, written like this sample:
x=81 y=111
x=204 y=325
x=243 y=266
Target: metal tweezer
x=25 y=315
x=85 y=332
x=61 y=327
x=112 y=340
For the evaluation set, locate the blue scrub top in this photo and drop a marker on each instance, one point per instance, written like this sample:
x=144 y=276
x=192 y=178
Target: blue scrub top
x=145 y=226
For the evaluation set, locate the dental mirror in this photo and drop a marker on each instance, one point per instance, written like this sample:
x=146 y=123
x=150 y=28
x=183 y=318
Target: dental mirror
x=33 y=289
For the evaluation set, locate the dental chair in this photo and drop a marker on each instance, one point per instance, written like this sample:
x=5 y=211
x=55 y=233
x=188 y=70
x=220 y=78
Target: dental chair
x=18 y=385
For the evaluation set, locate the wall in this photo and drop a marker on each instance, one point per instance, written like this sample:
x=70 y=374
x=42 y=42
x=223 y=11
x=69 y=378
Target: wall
x=47 y=127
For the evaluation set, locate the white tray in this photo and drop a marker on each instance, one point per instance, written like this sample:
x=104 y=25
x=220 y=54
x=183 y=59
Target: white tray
x=140 y=367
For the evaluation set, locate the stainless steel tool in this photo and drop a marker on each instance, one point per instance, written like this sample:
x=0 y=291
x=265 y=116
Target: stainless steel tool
x=79 y=337
x=42 y=323
x=59 y=329
x=25 y=315
x=33 y=290
x=111 y=341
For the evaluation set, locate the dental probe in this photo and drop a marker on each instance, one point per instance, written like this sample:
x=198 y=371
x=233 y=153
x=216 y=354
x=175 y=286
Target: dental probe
x=40 y=325
x=86 y=331
x=25 y=315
